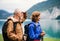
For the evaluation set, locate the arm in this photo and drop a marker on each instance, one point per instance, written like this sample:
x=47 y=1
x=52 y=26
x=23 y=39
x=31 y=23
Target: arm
x=19 y=31
x=42 y=33
x=32 y=32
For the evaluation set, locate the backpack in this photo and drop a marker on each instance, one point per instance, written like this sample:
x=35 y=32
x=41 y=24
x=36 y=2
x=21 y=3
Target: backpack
x=27 y=31
x=4 y=30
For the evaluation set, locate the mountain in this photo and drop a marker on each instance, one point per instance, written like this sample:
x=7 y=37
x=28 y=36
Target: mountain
x=46 y=5
x=55 y=13
x=49 y=9
x=58 y=17
x=50 y=15
x=4 y=14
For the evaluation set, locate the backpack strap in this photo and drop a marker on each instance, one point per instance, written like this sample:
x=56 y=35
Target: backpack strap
x=34 y=26
x=9 y=20
x=26 y=28
x=34 y=30
x=14 y=24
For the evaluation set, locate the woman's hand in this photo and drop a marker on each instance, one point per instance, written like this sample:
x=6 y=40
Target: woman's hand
x=43 y=33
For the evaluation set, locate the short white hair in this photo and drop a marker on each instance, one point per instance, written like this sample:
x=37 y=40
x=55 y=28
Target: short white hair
x=17 y=10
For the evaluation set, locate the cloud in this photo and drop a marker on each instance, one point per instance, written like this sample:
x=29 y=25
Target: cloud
x=24 y=5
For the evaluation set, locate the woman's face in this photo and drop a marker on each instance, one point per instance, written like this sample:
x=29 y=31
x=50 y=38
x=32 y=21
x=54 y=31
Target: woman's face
x=21 y=18
x=38 y=18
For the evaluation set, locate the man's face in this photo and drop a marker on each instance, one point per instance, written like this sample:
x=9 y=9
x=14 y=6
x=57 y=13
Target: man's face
x=19 y=14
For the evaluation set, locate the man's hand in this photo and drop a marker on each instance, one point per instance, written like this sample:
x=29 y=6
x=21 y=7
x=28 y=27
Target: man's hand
x=14 y=37
x=25 y=38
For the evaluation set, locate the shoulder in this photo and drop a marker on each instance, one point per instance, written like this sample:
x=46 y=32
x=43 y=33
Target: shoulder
x=31 y=24
x=10 y=21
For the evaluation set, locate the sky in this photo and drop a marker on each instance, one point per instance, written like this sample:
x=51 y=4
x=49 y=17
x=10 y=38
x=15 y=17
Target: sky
x=23 y=5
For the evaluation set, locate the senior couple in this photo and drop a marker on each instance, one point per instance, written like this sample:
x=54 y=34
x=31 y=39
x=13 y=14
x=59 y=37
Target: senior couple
x=14 y=29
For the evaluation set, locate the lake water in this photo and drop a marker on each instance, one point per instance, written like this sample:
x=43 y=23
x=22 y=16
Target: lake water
x=51 y=27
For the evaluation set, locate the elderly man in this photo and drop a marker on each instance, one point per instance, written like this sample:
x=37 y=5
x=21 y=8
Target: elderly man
x=14 y=30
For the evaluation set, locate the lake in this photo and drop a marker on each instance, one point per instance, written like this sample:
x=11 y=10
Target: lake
x=51 y=27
